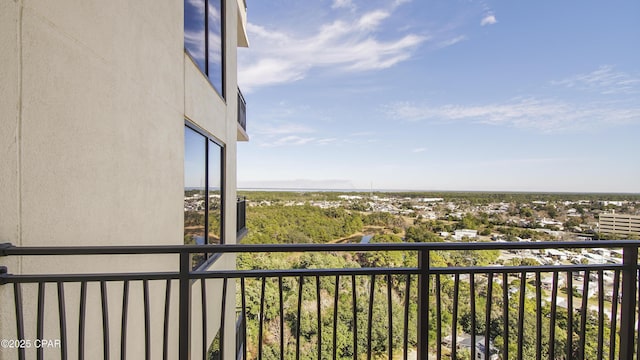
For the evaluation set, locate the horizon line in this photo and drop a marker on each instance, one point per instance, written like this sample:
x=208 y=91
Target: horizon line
x=287 y=189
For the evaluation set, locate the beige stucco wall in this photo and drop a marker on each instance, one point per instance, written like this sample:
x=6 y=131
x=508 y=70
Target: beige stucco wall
x=93 y=100
x=9 y=132
x=101 y=123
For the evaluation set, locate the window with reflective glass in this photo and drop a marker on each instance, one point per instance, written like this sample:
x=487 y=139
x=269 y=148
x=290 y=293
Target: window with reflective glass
x=194 y=31
x=214 y=44
x=195 y=204
x=203 y=38
x=215 y=192
x=203 y=202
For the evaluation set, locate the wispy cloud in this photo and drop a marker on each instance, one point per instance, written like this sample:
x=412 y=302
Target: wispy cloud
x=326 y=141
x=295 y=140
x=452 y=41
x=289 y=140
x=363 y=133
x=488 y=19
x=288 y=134
x=533 y=113
x=346 y=4
x=605 y=80
x=282 y=129
x=371 y=20
x=419 y=150
x=280 y=56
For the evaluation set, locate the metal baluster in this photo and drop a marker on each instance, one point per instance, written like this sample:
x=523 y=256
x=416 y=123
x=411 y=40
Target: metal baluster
x=165 y=332
x=553 y=315
x=523 y=283
x=538 y=316
x=370 y=315
x=454 y=321
x=583 y=314
x=405 y=336
x=62 y=313
x=123 y=322
x=487 y=320
x=335 y=317
x=505 y=315
x=40 y=319
x=147 y=320
x=614 y=315
x=261 y=322
x=355 y=316
x=105 y=319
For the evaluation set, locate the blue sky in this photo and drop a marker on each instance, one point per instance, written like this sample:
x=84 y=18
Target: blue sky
x=442 y=95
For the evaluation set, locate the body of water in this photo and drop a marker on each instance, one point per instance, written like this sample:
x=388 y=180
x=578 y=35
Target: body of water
x=365 y=239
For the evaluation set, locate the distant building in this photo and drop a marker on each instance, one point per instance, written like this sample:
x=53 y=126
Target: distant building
x=431 y=199
x=459 y=234
x=550 y=222
x=464 y=342
x=620 y=224
x=350 y=197
x=614 y=203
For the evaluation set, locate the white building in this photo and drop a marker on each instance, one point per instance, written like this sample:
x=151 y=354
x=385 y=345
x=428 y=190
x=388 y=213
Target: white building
x=430 y=200
x=459 y=234
x=113 y=116
x=620 y=224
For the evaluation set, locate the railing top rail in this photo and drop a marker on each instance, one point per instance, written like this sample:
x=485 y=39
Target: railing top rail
x=10 y=250
x=241 y=96
x=307 y=272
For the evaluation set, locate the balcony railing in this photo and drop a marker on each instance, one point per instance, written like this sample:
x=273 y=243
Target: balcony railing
x=241 y=217
x=242 y=111
x=521 y=312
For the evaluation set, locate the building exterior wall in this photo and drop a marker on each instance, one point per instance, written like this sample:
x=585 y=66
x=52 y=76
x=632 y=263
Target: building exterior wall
x=620 y=224
x=99 y=118
x=93 y=104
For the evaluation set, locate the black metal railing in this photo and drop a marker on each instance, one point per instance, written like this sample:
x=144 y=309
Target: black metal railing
x=242 y=110
x=241 y=217
x=240 y=335
x=563 y=311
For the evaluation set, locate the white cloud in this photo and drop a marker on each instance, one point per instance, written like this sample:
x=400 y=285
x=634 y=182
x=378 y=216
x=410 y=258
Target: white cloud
x=372 y=20
x=295 y=140
x=278 y=57
x=452 y=41
x=605 y=80
x=529 y=113
x=193 y=41
x=363 y=133
x=326 y=141
x=419 y=150
x=346 y=4
x=282 y=129
x=397 y=3
x=288 y=134
x=489 y=19
x=290 y=140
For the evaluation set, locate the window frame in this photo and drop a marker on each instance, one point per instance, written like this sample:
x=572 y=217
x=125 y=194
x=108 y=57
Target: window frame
x=223 y=46
x=210 y=140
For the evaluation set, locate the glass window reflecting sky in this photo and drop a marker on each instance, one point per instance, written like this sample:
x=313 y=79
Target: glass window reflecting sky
x=203 y=39
x=194 y=32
